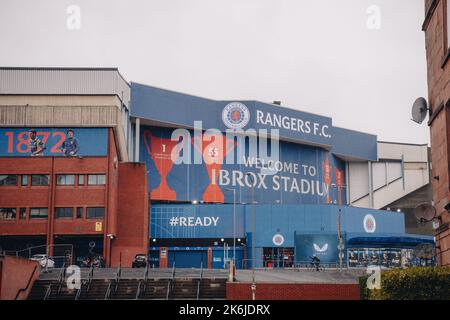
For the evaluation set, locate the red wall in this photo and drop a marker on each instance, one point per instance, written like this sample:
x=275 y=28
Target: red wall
x=293 y=291
x=15 y=273
x=438 y=66
x=133 y=214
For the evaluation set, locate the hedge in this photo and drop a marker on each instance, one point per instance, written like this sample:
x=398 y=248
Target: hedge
x=420 y=283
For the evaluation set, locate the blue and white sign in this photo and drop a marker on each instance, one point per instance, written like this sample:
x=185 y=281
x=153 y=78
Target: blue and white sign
x=235 y=115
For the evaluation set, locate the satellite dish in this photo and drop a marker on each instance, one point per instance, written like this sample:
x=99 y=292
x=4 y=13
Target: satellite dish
x=425 y=251
x=419 y=110
x=425 y=212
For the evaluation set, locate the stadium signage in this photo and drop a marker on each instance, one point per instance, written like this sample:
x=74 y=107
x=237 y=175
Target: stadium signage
x=193 y=221
x=295 y=124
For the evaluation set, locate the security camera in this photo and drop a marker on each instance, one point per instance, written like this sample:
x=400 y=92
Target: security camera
x=111 y=236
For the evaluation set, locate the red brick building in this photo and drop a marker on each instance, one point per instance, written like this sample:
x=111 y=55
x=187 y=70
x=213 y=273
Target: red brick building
x=437 y=34
x=87 y=205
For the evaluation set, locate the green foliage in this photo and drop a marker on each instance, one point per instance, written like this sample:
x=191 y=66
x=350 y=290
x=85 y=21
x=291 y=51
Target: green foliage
x=421 y=283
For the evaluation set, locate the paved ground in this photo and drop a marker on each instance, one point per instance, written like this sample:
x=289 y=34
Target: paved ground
x=261 y=275
x=130 y=273
x=300 y=276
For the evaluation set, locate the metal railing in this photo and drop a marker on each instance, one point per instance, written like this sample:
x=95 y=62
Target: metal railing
x=170 y=282
x=28 y=284
x=61 y=278
x=86 y=284
x=48 y=292
x=199 y=280
x=280 y=264
x=114 y=284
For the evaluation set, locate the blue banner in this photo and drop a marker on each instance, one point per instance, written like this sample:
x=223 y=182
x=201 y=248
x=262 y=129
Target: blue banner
x=323 y=246
x=55 y=142
x=304 y=174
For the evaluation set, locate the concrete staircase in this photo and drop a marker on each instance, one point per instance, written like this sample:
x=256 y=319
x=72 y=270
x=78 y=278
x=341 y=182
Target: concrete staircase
x=130 y=284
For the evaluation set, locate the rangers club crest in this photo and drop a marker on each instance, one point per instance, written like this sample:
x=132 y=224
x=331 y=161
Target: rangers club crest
x=369 y=223
x=278 y=239
x=235 y=115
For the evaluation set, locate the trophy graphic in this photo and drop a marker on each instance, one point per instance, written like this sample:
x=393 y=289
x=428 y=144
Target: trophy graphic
x=160 y=150
x=214 y=152
x=327 y=176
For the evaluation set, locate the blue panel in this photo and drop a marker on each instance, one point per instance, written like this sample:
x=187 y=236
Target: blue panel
x=307 y=175
x=187 y=258
x=181 y=110
x=190 y=221
x=324 y=246
x=354 y=144
x=16 y=142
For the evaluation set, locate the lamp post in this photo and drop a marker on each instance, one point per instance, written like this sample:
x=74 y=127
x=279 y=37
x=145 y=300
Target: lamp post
x=234 y=223
x=252 y=188
x=341 y=245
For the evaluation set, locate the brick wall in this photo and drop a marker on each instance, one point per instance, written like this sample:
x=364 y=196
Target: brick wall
x=293 y=291
x=15 y=274
x=133 y=214
x=439 y=101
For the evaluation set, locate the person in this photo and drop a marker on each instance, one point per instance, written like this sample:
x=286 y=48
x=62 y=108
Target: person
x=385 y=261
x=86 y=262
x=352 y=260
x=70 y=145
x=37 y=147
x=315 y=261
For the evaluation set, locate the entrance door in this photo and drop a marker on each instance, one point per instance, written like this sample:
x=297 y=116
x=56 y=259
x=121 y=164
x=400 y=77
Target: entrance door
x=278 y=257
x=188 y=258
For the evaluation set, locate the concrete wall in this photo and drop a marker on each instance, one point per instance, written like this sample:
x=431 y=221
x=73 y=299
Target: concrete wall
x=17 y=274
x=400 y=170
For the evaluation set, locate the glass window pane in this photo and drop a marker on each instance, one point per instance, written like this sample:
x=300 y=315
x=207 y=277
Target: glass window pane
x=7 y=214
x=36 y=213
x=96 y=179
x=95 y=213
x=92 y=179
x=65 y=179
x=79 y=212
x=101 y=179
x=24 y=180
x=8 y=180
x=64 y=212
x=81 y=179
x=23 y=213
x=39 y=180
x=448 y=23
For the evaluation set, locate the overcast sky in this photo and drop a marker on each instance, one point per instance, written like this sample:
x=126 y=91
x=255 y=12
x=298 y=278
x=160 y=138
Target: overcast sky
x=316 y=56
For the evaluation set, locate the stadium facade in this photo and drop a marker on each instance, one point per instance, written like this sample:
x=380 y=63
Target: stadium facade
x=189 y=192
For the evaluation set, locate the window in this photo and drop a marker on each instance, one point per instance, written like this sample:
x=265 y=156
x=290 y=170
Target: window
x=79 y=212
x=23 y=213
x=8 y=180
x=65 y=179
x=64 y=212
x=7 y=214
x=447 y=4
x=24 y=180
x=81 y=180
x=38 y=213
x=95 y=213
x=96 y=179
x=40 y=180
